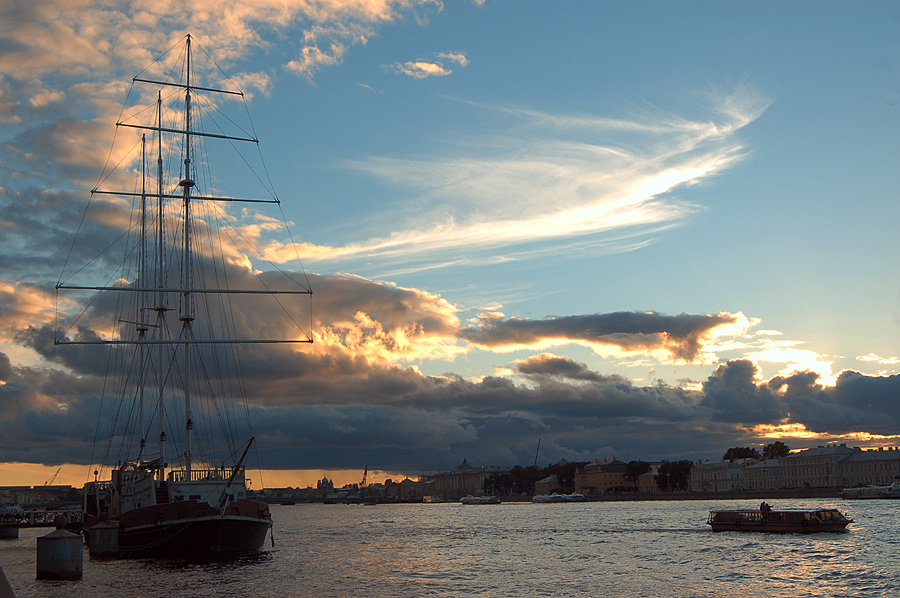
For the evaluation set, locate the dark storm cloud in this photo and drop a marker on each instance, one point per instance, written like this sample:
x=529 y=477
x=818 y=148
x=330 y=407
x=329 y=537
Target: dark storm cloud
x=856 y=402
x=36 y=234
x=631 y=331
x=86 y=360
x=46 y=415
x=733 y=394
x=545 y=364
x=5 y=367
x=496 y=422
x=345 y=401
x=395 y=418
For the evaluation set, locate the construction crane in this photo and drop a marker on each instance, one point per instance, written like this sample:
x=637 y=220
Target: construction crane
x=52 y=478
x=365 y=475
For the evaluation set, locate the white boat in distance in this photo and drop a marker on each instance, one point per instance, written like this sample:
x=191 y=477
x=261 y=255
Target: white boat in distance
x=175 y=308
x=866 y=492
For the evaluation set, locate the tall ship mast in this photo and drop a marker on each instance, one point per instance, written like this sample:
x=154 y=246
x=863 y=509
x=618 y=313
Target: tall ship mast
x=186 y=291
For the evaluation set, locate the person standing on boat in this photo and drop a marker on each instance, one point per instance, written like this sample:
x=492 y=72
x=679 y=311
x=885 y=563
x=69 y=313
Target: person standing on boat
x=764 y=509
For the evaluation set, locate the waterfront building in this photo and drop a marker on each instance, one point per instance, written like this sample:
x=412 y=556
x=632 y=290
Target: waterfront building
x=764 y=475
x=548 y=485
x=720 y=476
x=876 y=467
x=598 y=477
x=829 y=466
x=647 y=481
x=464 y=480
x=816 y=467
x=408 y=489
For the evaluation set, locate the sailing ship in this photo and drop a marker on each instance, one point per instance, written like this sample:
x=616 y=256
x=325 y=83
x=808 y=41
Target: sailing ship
x=178 y=320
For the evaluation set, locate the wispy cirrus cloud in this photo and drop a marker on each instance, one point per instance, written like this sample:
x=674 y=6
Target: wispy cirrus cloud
x=549 y=181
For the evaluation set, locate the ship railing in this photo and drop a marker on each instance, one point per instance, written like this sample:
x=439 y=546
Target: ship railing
x=203 y=475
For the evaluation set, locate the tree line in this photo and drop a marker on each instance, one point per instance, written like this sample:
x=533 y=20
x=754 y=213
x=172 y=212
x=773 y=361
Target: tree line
x=774 y=450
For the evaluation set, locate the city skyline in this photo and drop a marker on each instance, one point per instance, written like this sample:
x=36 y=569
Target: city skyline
x=610 y=228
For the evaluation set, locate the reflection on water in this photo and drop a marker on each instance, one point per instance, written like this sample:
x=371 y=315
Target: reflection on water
x=513 y=549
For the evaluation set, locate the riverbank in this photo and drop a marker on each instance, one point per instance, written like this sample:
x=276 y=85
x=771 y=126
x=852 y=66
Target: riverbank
x=828 y=492
x=785 y=493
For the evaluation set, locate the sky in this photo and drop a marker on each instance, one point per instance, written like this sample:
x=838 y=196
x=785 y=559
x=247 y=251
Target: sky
x=640 y=230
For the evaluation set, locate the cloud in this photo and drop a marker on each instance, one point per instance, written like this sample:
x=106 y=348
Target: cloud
x=547 y=365
x=548 y=184
x=733 y=392
x=457 y=57
x=362 y=326
x=420 y=69
x=312 y=59
x=350 y=393
x=23 y=302
x=680 y=337
x=568 y=182
x=8 y=108
x=347 y=398
x=871 y=357
x=423 y=68
x=62 y=71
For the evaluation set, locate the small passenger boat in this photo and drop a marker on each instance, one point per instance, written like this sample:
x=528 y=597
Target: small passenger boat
x=780 y=521
x=544 y=498
x=480 y=500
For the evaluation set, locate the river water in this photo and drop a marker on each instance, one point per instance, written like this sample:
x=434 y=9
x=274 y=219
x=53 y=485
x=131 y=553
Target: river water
x=620 y=549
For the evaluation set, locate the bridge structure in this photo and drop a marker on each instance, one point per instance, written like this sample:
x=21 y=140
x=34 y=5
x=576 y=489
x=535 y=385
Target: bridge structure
x=74 y=517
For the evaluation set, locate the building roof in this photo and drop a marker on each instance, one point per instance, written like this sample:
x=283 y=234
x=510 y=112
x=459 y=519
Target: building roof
x=834 y=450
x=464 y=466
x=891 y=454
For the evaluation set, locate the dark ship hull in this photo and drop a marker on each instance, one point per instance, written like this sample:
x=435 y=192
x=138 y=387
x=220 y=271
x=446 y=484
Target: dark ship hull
x=192 y=530
x=194 y=538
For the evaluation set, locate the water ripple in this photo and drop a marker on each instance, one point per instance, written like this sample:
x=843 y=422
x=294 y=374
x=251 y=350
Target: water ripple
x=588 y=549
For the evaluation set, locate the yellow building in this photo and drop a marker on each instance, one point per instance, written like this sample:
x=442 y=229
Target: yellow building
x=599 y=476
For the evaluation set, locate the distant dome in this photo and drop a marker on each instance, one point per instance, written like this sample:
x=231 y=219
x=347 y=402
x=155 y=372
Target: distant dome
x=464 y=466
